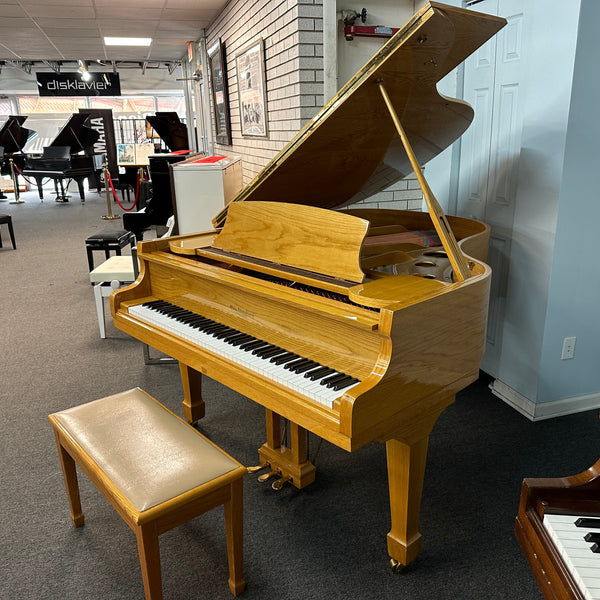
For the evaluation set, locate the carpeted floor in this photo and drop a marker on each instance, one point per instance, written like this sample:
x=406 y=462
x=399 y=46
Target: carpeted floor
x=324 y=542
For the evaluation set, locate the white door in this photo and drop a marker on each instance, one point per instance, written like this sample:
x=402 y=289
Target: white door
x=490 y=149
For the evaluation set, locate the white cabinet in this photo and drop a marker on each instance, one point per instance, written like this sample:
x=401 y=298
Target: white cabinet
x=202 y=188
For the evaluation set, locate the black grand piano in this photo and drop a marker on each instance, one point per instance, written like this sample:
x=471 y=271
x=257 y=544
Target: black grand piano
x=160 y=207
x=62 y=160
x=13 y=138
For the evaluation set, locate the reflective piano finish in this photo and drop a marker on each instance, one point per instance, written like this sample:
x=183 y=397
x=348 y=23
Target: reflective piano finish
x=384 y=315
x=61 y=159
x=562 y=570
x=13 y=138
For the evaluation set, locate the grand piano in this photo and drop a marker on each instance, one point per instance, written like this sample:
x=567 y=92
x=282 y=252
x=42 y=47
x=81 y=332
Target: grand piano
x=13 y=138
x=61 y=159
x=353 y=325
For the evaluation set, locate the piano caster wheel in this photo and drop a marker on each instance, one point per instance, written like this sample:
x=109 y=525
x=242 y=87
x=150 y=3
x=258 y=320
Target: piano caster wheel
x=269 y=475
x=277 y=485
x=397 y=567
x=257 y=468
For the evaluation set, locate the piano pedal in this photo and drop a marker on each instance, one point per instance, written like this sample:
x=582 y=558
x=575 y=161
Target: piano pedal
x=277 y=485
x=257 y=468
x=397 y=567
x=269 y=475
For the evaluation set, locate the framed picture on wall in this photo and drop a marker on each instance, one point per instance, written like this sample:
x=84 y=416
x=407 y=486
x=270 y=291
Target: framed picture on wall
x=218 y=78
x=250 y=68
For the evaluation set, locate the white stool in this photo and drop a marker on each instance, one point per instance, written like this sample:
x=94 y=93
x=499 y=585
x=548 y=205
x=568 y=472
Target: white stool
x=111 y=275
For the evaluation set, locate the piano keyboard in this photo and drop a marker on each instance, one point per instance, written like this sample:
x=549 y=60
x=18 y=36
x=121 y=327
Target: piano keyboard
x=307 y=377
x=576 y=539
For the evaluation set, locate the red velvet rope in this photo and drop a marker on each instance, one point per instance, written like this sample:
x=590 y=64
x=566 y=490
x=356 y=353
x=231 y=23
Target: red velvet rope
x=137 y=190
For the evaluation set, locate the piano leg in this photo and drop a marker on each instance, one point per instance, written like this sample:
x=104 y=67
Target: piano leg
x=79 y=181
x=193 y=405
x=39 y=181
x=292 y=461
x=406 y=472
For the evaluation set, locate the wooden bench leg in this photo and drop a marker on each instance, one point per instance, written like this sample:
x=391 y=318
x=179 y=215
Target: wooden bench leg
x=149 y=551
x=234 y=528
x=70 y=477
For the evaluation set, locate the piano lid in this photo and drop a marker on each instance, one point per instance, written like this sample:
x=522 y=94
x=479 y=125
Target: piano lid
x=170 y=129
x=13 y=136
x=76 y=134
x=351 y=144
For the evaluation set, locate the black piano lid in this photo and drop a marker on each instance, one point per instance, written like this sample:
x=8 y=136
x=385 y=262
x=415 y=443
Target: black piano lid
x=76 y=134
x=351 y=144
x=13 y=136
x=170 y=129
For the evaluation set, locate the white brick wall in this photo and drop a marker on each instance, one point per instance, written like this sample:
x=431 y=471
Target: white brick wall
x=292 y=32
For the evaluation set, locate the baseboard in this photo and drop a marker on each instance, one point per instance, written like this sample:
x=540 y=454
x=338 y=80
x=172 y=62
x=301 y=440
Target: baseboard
x=543 y=410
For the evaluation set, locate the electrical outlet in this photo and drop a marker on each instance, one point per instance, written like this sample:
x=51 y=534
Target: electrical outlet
x=568 y=349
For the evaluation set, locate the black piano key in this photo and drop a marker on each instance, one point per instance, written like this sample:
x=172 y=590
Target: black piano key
x=252 y=345
x=334 y=382
x=273 y=352
x=231 y=334
x=306 y=367
x=588 y=523
x=224 y=333
x=340 y=385
x=296 y=363
x=595 y=548
x=239 y=340
x=333 y=378
x=284 y=358
x=320 y=373
x=258 y=351
x=592 y=537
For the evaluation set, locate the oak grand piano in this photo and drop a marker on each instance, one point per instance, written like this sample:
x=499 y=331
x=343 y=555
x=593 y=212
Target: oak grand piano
x=377 y=333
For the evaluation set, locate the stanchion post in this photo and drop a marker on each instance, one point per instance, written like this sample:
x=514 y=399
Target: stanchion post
x=107 y=186
x=15 y=181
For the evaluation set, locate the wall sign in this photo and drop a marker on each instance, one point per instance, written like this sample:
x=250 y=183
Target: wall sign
x=71 y=84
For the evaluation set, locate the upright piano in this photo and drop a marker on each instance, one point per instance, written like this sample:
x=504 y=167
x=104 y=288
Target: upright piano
x=61 y=159
x=13 y=138
x=558 y=528
x=353 y=325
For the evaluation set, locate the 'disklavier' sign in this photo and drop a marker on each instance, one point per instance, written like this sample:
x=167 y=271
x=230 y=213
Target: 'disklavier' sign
x=71 y=84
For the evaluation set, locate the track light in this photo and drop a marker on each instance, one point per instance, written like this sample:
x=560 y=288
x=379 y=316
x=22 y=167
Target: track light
x=85 y=74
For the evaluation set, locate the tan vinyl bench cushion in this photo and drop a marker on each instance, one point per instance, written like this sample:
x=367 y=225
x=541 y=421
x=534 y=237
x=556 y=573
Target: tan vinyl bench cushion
x=115 y=267
x=149 y=454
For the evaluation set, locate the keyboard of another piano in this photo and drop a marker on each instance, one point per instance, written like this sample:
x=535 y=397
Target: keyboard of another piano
x=582 y=557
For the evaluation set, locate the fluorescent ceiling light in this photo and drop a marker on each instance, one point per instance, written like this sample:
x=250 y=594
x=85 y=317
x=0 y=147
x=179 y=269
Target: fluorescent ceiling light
x=127 y=41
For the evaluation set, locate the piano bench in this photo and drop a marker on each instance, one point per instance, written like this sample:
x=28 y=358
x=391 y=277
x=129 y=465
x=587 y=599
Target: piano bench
x=7 y=219
x=111 y=275
x=107 y=241
x=157 y=471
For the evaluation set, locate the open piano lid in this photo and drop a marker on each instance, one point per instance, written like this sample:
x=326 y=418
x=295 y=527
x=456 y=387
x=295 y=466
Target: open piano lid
x=13 y=136
x=76 y=134
x=170 y=129
x=350 y=148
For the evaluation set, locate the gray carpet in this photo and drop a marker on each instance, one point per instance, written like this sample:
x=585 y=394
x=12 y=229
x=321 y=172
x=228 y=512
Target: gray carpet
x=324 y=542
